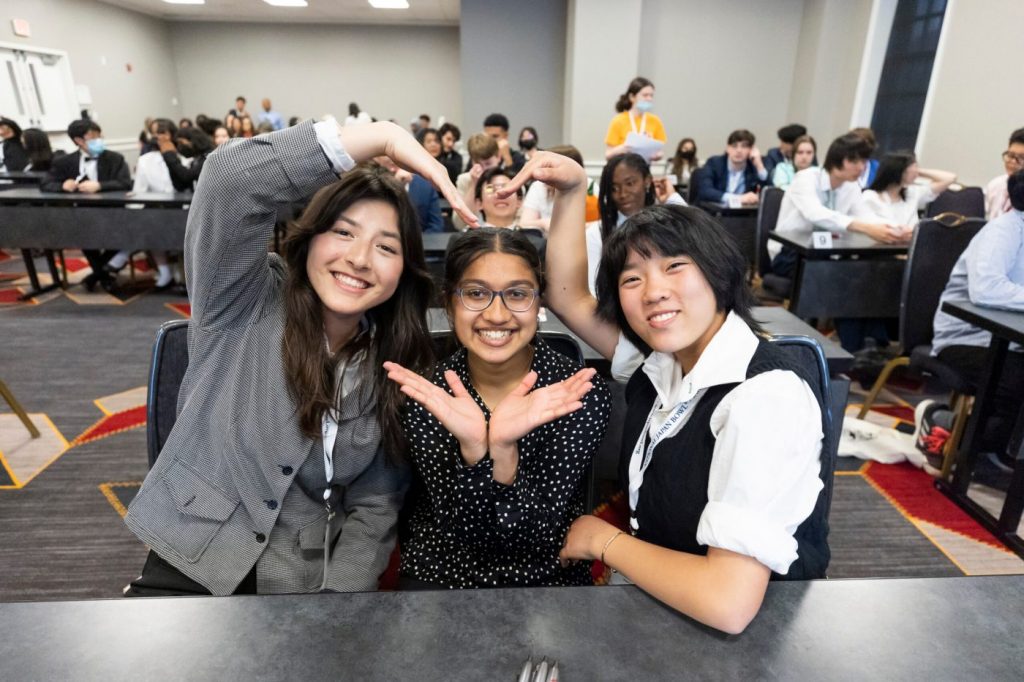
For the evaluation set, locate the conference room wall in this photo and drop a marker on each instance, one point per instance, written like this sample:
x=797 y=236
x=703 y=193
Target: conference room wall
x=309 y=70
x=101 y=41
x=512 y=62
x=719 y=65
x=976 y=99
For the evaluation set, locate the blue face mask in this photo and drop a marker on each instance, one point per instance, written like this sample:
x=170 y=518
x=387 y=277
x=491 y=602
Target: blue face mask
x=95 y=146
x=644 y=105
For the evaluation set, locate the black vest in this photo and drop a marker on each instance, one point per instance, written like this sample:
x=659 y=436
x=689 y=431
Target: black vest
x=675 y=488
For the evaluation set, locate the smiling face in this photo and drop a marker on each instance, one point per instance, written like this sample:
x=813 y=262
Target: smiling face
x=500 y=212
x=803 y=156
x=629 y=189
x=356 y=265
x=668 y=302
x=495 y=335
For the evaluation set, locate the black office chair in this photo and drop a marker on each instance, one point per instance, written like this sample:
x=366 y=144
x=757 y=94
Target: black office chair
x=936 y=247
x=166 y=370
x=834 y=394
x=691 y=195
x=445 y=344
x=774 y=286
x=968 y=202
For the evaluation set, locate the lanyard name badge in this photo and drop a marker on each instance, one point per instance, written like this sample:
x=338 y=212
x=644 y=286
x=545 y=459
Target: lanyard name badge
x=330 y=433
x=643 y=123
x=663 y=431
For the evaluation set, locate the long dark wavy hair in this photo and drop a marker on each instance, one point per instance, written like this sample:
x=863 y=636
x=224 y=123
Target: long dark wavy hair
x=609 y=210
x=400 y=332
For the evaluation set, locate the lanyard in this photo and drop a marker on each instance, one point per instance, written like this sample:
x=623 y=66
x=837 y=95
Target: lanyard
x=330 y=435
x=641 y=459
x=643 y=122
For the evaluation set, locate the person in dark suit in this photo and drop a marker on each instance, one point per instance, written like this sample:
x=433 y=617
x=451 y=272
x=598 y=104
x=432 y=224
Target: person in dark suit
x=12 y=153
x=738 y=173
x=784 y=152
x=424 y=197
x=89 y=170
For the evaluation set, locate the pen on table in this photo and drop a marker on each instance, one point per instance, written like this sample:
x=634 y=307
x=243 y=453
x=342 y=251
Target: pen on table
x=553 y=675
x=524 y=676
x=541 y=673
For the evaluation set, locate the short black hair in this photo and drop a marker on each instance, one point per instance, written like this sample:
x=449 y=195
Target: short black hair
x=850 y=146
x=197 y=139
x=675 y=231
x=81 y=128
x=788 y=134
x=890 y=171
x=489 y=175
x=741 y=135
x=209 y=125
x=1017 y=136
x=499 y=120
x=1015 y=188
x=240 y=98
x=166 y=125
x=450 y=128
x=425 y=116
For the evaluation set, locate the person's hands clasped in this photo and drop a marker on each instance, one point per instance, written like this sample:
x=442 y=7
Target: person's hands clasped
x=554 y=170
x=458 y=413
x=88 y=186
x=525 y=409
x=886 y=234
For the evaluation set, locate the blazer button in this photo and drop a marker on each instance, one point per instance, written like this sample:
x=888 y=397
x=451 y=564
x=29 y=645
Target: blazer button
x=261 y=538
x=271 y=504
x=287 y=471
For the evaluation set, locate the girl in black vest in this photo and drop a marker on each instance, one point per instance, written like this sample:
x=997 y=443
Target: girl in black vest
x=723 y=431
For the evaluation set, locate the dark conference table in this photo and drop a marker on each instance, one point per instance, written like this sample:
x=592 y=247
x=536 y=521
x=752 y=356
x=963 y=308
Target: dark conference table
x=855 y=277
x=927 y=629
x=31 y=219
x=1006 y=327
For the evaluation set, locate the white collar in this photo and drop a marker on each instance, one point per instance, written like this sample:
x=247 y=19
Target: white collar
x=724 y=361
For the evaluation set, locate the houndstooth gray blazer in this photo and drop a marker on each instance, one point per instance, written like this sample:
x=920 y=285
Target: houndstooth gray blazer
x=222 y=496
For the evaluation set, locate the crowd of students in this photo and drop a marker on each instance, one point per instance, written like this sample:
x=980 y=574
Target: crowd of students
x=313 y=401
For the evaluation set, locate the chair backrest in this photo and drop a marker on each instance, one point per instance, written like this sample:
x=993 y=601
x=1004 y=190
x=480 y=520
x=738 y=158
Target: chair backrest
x=691 y=194
x=812 y=356
x=968 y=202
x=767 y=215
x=166 y=370
x=936 y=246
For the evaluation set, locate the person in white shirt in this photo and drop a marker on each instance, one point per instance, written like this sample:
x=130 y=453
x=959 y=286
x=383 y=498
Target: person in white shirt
x=626 y=188
x=733 y=496
x=540 y=199
x=896 y=197
x=356 y=116
x=829 y=198
x=997 y=198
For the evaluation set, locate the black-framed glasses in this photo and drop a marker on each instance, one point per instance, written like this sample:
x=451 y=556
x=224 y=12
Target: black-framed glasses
x=516 y=299
x=1016 y=158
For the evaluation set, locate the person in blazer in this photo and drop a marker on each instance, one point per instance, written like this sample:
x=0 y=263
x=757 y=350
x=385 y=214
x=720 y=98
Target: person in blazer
x=739 y=173
x=93 y=168
x=285 y=471
x=13 y=156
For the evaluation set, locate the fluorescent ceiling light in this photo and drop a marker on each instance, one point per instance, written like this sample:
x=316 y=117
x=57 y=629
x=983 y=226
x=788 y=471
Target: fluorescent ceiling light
x=390 y=4
x=287 y=3
x=185 y=2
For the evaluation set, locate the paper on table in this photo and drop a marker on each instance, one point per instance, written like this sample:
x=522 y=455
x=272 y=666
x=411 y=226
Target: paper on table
x=643 y=145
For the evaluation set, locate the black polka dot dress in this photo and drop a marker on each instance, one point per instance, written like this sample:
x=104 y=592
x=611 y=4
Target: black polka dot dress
x=468 y=530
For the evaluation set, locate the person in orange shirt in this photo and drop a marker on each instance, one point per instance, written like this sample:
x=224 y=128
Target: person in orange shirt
x=634 y=107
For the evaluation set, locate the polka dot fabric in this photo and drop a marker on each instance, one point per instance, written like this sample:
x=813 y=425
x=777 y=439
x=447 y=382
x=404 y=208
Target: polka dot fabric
x=467 y=530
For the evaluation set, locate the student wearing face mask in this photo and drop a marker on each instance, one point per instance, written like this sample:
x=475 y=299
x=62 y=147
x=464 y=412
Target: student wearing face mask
x=528 y=141
x=634 y=116
x=89 y=170
x=684 y=162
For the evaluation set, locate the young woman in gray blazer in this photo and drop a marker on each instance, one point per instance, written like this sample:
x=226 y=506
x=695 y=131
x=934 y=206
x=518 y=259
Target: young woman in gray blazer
x=284 y=472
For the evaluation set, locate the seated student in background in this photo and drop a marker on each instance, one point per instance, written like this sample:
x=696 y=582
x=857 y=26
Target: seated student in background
x=37 y=148
x=736 y=175
x=12 y=152
x=185 y=123
x=269 y=116
x=990 y=272
x=356 y=116
x=634 y=116
x=496 y=125
x=784 y=152
x=496 y=210
x=997 y=198
x=189 y=143
x=540 y=199
x=895 y=197
x=248 y=128
x=431 y=141
x=421 y=193
x=449 y=157
x=684 y=162
x=867 y=176
x=805 y=153
x=723 y=431
x=502 y=435
x=483 y=154
x=90 y=169
x=528 y=142
x=285 y=367
x=626 y=188
x=220 y=135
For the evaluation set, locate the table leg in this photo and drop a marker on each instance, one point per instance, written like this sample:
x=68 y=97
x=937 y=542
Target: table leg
x=33 y=276
x=1013 y=505
x=968 y=450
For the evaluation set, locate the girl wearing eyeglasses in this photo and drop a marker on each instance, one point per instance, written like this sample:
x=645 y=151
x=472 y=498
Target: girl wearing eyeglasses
x=502 y=435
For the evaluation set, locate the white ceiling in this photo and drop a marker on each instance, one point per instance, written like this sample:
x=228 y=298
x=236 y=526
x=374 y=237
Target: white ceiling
x=420 y=12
